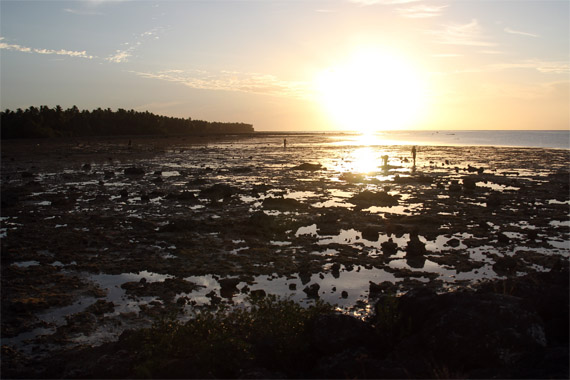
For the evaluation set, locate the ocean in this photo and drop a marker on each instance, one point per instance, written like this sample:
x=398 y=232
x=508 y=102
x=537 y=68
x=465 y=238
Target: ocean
x=559 y=139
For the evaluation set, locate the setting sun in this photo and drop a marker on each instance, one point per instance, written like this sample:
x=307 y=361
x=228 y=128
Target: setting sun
x=371 y=91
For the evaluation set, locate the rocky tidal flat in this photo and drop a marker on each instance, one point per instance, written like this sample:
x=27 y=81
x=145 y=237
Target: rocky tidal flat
x=101 y=236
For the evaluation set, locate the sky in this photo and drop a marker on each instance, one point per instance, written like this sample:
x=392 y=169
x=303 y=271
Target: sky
x=296 y=65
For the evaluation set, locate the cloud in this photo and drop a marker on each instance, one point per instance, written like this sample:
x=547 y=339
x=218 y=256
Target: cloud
x=120 y=56
x=546 y=67
x=24 y=49
x=383 y=2
x=469 y=34
x=232 y=81
x=422 y=11
x=512 y=31
x=447 y=55
x=82 y=12
x=123 y=55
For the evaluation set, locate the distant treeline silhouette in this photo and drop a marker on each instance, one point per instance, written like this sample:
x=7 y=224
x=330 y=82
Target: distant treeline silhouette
x=56 y=122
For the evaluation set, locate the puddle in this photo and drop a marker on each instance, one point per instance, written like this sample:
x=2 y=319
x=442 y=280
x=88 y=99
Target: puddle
x=497 y=187
x=26 y=264
x=77 y=207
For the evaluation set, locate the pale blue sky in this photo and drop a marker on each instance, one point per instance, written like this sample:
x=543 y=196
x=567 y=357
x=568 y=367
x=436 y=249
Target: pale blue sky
x=481 y=64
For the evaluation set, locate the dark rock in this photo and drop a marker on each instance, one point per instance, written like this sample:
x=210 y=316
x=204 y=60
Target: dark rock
x=470 y=183
x=101 y=307
x=228 y=287
x=502 y=238
x=218 y=191
x=370 y=233
x=389 y=247
x=453 y=243
x=465 y=331
x=415 y=247
x=262 y=222
x=183 y=196
x=369 y=198
x=344 y=294
x=109 y=174
x=86 y=167
x=308 y=167
x=292 y=286
x=258 y=293
x=124 y=193
x=494 y=200
x=385 y=287
x=335 y=332
x=214 y=299
x=282 y=204
x=505 y=265
x=134 y=171
x=241 y=170
x=335 y=270
x=454 y=187
x=312 y=290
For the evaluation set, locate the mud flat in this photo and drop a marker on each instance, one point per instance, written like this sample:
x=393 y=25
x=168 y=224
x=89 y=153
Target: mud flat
x=101 y=236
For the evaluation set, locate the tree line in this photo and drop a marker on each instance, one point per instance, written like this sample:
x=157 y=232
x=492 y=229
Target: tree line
x=44 y=121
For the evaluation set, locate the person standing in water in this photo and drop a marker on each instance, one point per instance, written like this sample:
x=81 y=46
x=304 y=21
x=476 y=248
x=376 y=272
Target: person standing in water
x=284 y=143
x=414 y=155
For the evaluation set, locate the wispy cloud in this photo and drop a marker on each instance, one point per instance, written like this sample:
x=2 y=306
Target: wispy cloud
x=25 y=49
x=232 y=81
x=447 y=55
x=547 y=67
x=422 y=11
x=470 y=34
x=521 y=33
x=124 y=55
x=82 y=12
x=385 y=2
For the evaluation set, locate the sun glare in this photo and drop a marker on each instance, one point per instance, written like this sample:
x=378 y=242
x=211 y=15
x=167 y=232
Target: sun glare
x=371 y=91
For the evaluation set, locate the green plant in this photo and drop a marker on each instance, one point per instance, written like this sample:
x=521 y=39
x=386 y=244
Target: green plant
x=272 y=333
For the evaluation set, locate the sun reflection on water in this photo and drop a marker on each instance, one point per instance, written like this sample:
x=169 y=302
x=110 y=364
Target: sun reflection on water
x=365 y=160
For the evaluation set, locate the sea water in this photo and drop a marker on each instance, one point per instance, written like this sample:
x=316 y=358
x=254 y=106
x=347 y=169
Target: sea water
x=559 y=139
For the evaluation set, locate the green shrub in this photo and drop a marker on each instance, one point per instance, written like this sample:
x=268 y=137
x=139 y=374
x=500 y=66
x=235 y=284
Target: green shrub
x=271 y=334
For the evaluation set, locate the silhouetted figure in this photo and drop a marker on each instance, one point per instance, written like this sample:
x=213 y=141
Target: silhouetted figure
x=284 y=143
x=414 y=155
x=385 y=161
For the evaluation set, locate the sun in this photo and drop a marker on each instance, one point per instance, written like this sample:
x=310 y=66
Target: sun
x=371 y=91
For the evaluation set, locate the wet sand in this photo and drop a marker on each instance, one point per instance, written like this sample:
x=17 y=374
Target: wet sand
x=99 y=236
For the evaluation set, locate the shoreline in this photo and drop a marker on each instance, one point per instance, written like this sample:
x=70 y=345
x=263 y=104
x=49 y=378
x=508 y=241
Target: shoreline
x=201 y=226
